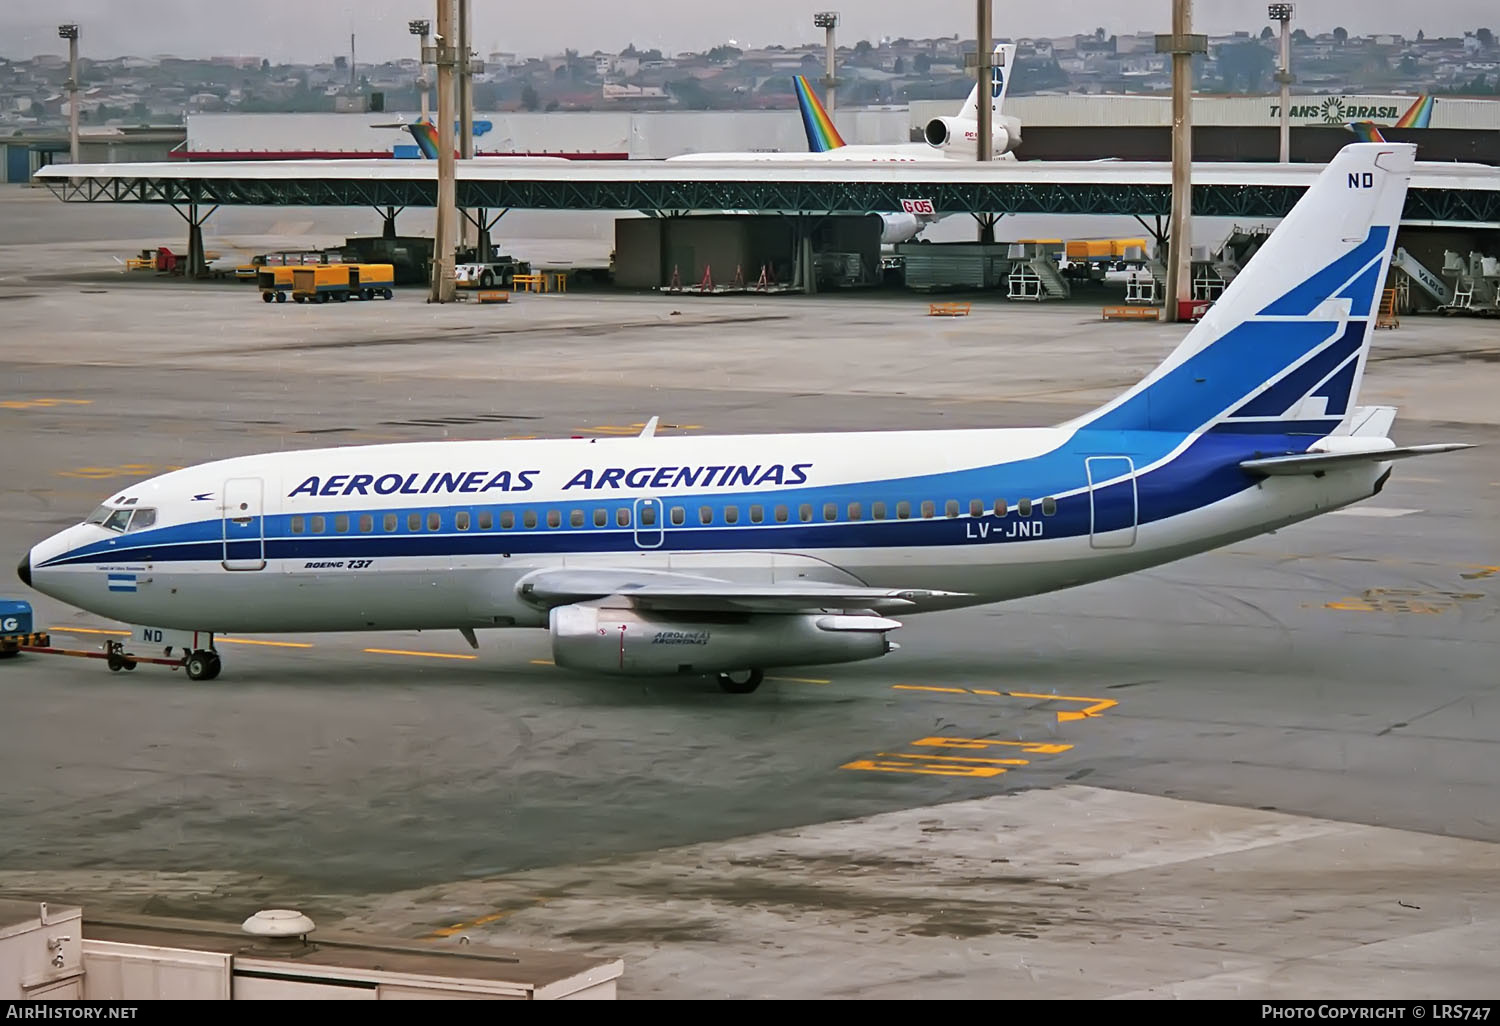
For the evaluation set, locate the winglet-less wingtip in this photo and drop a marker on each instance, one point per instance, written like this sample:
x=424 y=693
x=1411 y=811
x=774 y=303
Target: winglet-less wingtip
x=649 y=431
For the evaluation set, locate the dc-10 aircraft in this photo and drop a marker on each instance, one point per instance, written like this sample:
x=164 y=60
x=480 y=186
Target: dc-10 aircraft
x=730 y=555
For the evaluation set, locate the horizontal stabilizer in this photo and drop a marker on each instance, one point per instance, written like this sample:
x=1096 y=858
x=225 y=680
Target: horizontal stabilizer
x=1321 y=462
x=666 y=590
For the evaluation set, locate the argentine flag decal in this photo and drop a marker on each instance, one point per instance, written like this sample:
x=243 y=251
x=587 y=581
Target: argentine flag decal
x=122 y=582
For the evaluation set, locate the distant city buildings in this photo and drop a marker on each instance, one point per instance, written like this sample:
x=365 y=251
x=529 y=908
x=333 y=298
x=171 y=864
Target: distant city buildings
x=164 y=89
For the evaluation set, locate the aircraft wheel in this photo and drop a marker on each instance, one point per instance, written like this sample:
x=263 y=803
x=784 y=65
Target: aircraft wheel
x=202 y=665
x=115 y=661
x=742 y=682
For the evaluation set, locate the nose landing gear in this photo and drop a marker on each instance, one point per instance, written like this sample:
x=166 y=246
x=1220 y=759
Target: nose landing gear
x=202 y=665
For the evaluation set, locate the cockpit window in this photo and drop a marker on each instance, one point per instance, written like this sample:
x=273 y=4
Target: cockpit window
x=122 y=519
x=118 y=520
x=143 y=519
x=99 y=515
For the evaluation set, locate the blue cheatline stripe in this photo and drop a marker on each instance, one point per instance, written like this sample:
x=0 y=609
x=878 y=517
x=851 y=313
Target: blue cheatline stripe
x=1291 y=389
x=1205 y=472
x=1300 y=301
x=1339 y=387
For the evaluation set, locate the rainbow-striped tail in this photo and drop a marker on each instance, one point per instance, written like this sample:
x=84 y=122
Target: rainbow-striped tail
x=821 y=135
x=1418 y=115
x=1367 y=131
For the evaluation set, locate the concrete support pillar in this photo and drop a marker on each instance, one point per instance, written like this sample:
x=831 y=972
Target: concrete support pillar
x=444 y=234
x=1182 y=45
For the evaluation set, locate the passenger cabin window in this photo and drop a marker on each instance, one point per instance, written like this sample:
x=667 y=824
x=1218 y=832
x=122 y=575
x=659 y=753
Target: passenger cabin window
x=999 y=507
x=648 y=515
x=298 y=525
x=976 y=507
x=679 y=516
x=903 y=511
x=929 y=509
x=781 y=514
x=830 y=511
x=757 y=514
x=316 y=524
x=554 y=518
x=1049 y=506
x=856 y=512
x=705 y=514
x=528 y=519
x=341 y=523
x=731 y=514
x=575 y=518
x=434 y=521
x=388 y=522
x=461 y=521
x=601 y=518
x=486 y=521
x=804 y=513
x=877 y=510
x=1023 y=507
x=507 y=520
x=622 y=517
x=366 y=524
x=951 y=509
x=413 y=521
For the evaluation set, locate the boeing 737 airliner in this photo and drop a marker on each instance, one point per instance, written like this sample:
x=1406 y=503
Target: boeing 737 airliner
x=730 y=555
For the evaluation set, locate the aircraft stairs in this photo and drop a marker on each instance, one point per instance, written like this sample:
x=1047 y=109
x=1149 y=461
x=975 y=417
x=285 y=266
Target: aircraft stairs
x=1035 y=279
x=1417 y=273
x=1147 y=286
x=1476 y=283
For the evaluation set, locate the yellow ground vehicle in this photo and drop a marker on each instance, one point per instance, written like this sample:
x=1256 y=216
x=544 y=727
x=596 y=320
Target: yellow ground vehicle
x=366 y=281
x=274 y=283
x=320 y=283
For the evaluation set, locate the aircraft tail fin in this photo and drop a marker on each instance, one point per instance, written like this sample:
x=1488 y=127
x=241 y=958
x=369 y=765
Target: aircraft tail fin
x=822 y=136
x=1000 y=71
x=1418 y=115
x=1283 y=350
x=1367 y=131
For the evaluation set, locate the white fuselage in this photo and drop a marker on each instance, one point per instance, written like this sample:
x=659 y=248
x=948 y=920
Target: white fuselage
x=436 y=535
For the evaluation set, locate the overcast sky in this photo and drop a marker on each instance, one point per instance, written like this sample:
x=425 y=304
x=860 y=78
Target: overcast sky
x=306 y=31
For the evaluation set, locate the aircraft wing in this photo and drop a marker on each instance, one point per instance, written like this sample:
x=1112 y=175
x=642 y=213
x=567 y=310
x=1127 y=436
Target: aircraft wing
x=1319 y=462
x=665 y=590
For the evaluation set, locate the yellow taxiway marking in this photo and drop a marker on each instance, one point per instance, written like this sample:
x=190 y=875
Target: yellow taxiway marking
x=542 y=662
x=430 y=655
x=31 y=404
x=122 y=470
x=1093 y=706
x=88 y=630
x=635 y=429
x=1481 y=571
x=255 y=641
x=456 y=928
x=940 y=765
x=802 y=680
x=1403 y=600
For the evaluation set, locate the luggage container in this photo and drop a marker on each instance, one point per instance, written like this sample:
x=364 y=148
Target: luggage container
x=319 y=284
x=274 y=283
x=366 y=281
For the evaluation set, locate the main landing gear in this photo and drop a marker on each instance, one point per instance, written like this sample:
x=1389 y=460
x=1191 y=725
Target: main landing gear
x=741 y=682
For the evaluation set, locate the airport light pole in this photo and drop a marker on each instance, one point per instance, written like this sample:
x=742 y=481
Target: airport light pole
x=70 y=33
x=1181 y=44
x=1283 y=14
x=983 y=71
x=421 y=28
x=465 y=88
x=828 y=21
x=444 y=55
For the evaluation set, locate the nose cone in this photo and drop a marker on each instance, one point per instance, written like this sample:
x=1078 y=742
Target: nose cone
x=24 y=570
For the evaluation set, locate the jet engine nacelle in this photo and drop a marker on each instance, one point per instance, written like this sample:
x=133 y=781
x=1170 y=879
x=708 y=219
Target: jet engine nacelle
x=961 y=136
x=639 y=643
x=903 y=227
